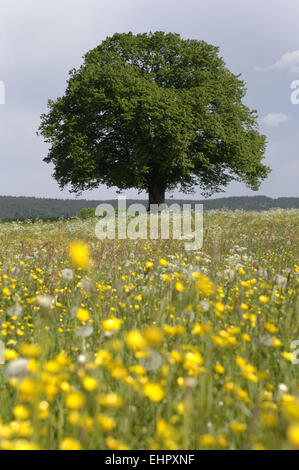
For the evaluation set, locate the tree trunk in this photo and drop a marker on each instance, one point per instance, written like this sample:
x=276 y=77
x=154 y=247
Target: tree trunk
x=156 y=193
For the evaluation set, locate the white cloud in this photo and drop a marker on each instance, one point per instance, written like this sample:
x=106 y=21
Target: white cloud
x=288 y=61
x=274 y=119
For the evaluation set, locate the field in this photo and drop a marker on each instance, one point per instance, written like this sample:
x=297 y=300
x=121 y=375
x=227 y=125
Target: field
x=143 y=345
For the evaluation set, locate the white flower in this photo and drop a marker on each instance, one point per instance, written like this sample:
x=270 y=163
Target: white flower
x=282 y=388
x=67 y=274
x=81 y=359
x=15 y=310
x=191 y=382
x=44 y=301
x=229 y=273
x=266 y=340
x=188 y=315
x=281 y=280
x=84 y=284
x=17 y=367
x=262 y=273
x=204 y=305
x=152 y=362
x=239 y=266
x=192 y=269
x=84 y=332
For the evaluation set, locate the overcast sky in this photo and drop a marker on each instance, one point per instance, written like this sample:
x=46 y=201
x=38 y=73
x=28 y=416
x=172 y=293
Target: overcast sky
x=40 y=41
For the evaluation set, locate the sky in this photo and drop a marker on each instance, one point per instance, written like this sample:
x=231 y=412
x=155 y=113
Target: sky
x=40 y=41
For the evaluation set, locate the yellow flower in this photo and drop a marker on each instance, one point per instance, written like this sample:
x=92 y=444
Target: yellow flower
x=164 y=430
x=111 y=324
x=21 y=444
x=201 y=329
x=288 y=398
x=270 y=327
x=293 y=434
x=107 y=423
x=21 y=412
x=264 y=299
x=219 y=369
x=28 y=390
x=6 y=292
x=245 y=337
x=258 y=446
x=248 y=370
x=288 y=356
x=276 y=342
x=102 y=357
x=149 y=264
x=238 y=427
x=70 y=444
x=240 y=361
x=290 y=407
x=179 y=286
x=163 y=262
x=52 y=366
x=204 y=285
x=111 y=400
x=10 y=354
x=30 y=350
x=90 y=384
x=220 y=306
x=82 y=314
x=25 y=429
x=181 y=408
x=153 y=335
x=74 y=400
x=154 y=392
x=221 y=441
x=269 y=419
x=192 y=362
x=79 y=254
x=43 y=409
x=135 y=340
x=206 y=440
x=114 y=444
x=242 y=394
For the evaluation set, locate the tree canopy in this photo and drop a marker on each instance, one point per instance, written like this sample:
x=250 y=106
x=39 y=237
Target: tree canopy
x=153 y=112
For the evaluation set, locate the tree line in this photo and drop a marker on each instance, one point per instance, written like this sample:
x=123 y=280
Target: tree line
x=18 y=208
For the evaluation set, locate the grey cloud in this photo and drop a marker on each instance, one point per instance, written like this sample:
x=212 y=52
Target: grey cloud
x=41 y=41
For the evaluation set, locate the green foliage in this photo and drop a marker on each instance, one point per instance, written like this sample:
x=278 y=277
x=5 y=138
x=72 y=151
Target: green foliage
x=18 y=208
x=153 y=112
x=86 y=213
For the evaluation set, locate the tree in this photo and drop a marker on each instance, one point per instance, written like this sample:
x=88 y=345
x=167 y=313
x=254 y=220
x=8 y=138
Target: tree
x=153 y=112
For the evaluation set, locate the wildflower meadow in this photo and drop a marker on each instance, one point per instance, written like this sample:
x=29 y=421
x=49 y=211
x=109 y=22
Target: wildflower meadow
x=140 y=344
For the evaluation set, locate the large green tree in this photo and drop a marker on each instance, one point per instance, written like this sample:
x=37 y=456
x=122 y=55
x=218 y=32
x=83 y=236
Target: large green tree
x=153 y=112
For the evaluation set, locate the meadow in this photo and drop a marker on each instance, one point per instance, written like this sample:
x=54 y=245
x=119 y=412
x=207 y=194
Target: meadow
x=139 y=344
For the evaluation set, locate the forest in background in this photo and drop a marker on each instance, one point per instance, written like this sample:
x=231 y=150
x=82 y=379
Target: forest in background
x=16 y=208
